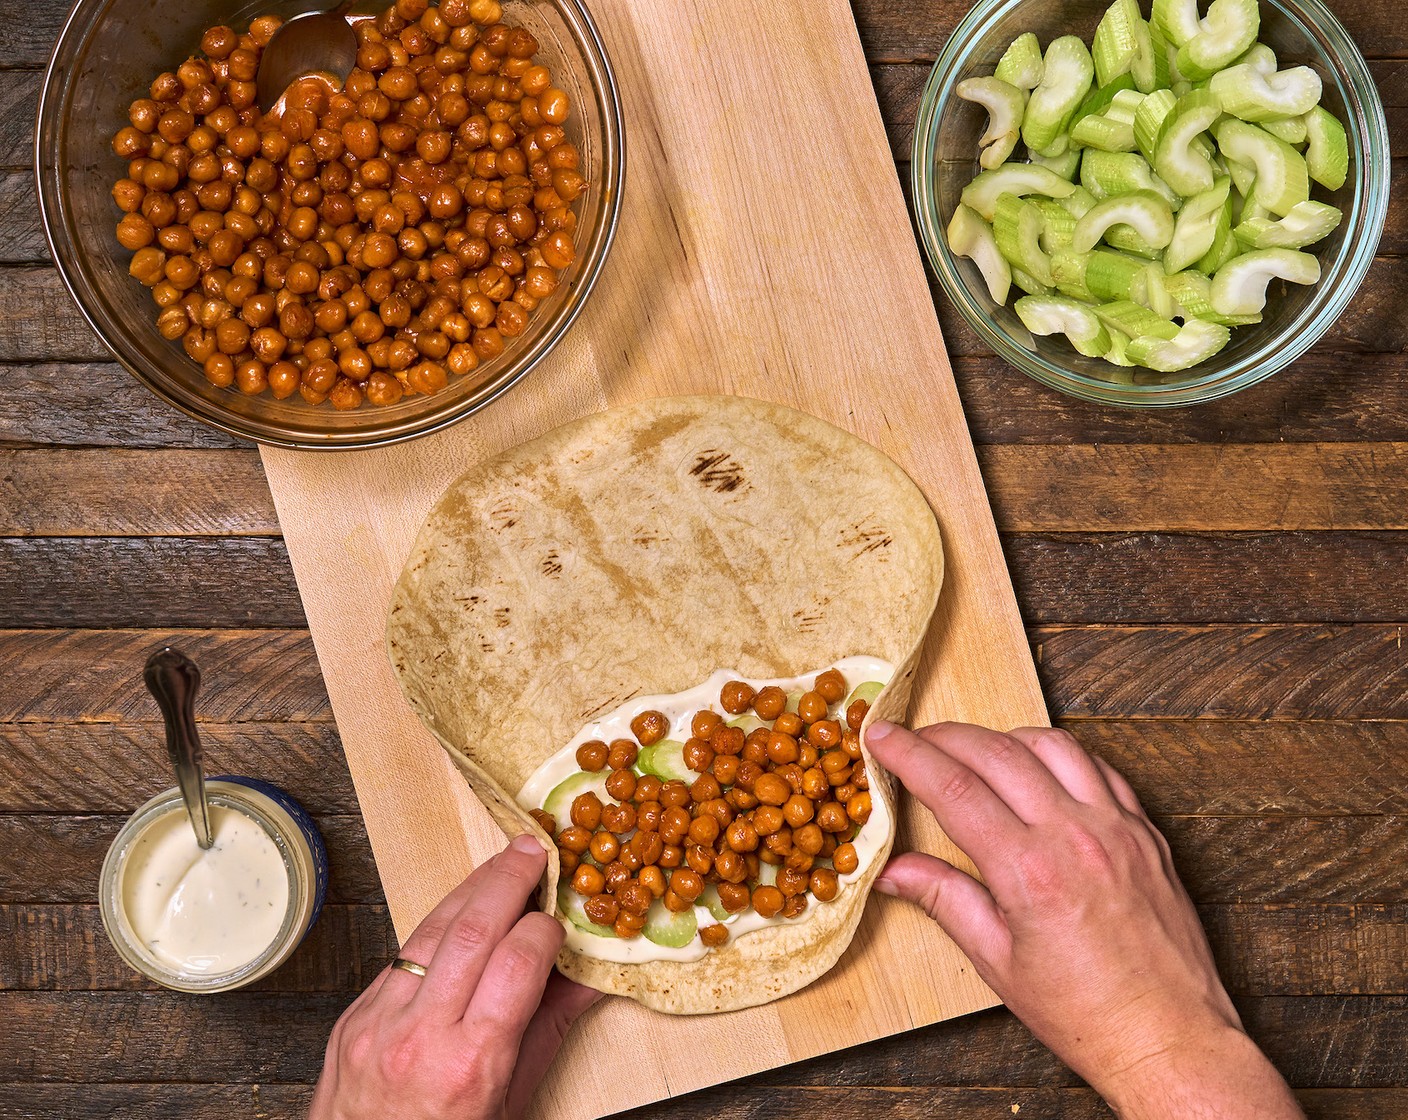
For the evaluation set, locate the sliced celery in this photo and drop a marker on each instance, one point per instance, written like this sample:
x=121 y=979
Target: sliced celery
x=1066 y=165
x=1225 y=33
x=1099 y=99
x=1176 y=20
x=1021 y=64
x=1149 y=68
x=1061 y=315
x=1196 y=226
x=1135 y=320
x=1184 y=168
x=1068 y=272
x=1078 y=202
x=1103 y=133
x=1117 y=354
x=1191 y=291
x=1248 y=93
x=1057 y=225
x=1149 y=120
x=1224 y=245
x=1260 y=57
x=1290 y=129
x=1306 y=224
x=1327 y=153
x=1281 y=177
x=1012 y=178
x=1145 y=212
x=969 y=236
x=1030 y=284
x=1116 y=42
x=1239 y=286
x=1017 y=227
x=1108 y=173
x=1196 y=341
x=1067 y=74
x=1005 y=104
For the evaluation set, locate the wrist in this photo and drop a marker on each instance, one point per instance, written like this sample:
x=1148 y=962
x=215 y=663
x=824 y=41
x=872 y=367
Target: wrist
x=1218 y=1074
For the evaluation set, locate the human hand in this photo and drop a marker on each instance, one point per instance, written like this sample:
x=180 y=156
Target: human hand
x=1080 y=923
x=474 y=1036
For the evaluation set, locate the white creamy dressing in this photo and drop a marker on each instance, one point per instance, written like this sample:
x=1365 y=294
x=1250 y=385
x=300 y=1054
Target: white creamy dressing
x=205 y=912
x=679 y=709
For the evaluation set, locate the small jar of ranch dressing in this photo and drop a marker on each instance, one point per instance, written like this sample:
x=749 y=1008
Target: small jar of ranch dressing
x=214 y=920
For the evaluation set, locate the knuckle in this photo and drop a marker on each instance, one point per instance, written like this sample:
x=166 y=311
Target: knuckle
x=1041 y=873
x=1059 y=741
x=956 y=787
x=469 y=934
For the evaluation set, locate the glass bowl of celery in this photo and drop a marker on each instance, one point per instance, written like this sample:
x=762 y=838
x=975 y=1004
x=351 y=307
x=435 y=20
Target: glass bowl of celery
x=1150 y=206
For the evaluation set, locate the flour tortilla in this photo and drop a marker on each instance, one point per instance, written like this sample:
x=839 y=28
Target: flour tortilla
x=634 y=552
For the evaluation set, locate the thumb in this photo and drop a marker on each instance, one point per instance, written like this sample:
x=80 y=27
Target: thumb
x=958 y=902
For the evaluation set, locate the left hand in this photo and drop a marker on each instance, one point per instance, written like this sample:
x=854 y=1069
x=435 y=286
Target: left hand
x=474 y=1036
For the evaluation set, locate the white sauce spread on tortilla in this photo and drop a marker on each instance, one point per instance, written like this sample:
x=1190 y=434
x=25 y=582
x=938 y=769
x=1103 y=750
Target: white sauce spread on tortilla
x=679 y=709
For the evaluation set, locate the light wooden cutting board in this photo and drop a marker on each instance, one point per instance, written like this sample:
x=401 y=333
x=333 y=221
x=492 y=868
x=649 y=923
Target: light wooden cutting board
x=764 y=250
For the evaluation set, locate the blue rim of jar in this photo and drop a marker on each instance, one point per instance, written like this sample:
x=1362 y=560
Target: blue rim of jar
x=53 y=217
x=1368 y=140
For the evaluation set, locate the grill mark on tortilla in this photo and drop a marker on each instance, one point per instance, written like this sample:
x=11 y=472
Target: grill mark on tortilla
x=719 y=471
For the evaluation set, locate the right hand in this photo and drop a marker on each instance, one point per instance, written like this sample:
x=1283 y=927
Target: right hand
x=1080 y=923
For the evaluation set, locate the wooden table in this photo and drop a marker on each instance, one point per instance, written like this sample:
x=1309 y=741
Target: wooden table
x=1215 y=598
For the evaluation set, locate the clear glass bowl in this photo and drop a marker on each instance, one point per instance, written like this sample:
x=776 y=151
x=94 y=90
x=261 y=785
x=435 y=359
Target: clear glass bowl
x=946 y=159
x=108 y=53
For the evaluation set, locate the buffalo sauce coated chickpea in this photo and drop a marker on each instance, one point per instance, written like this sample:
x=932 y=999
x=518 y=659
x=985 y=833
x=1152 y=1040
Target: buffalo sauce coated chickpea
x=342 y=215
x=793 y=797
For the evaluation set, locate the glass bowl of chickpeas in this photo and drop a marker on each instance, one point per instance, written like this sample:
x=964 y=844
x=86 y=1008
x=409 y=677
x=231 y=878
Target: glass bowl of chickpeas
x=372 y=259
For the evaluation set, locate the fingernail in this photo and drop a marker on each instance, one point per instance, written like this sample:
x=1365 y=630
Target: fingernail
x=526 y=844
x=884 y=886
x=880 y=729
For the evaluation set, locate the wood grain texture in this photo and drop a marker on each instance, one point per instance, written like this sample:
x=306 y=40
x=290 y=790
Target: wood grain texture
x=64 y=948
x=133 y=493
x=1318 y=1042
x=1241 y=672
x=1193 y=767
x=1321 y=399
x=1306 y=949
x=94 y=404
x=676 y=312
x=1034 y=488
x=1085 y=578
x=738 y=1102
x=1201 y=577
x=1123 y=487
x=1282 y=672
x=1178 y=767
x=94 y=675
x=54 y=858
x=40 y=323
x=916 y=30
x=51 y=857
x=149 y=582
x=110 y=767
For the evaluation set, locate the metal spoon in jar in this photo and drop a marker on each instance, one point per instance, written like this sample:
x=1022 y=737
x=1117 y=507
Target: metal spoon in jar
x=173 y=678
x=316 y=42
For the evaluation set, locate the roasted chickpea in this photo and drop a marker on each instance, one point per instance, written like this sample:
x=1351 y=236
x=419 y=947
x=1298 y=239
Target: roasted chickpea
x=856 y=713
x=575 y=839
x=811 y=707
x=650 y=727
x=730 y=866
x=698 y=755
x=741 y=836
x=845 y=859
x=808 y=839
x=824 y=733
x=621 y=784
x=604 y=847
x=771 y=790
x=781 y=749
x=653 y=879
x=714 y=935
x=767 y=901
x=586 y=811
x=620 y=819
x=622 y=754
x=591 y=756
x=798 y=810
x=705 y=723
x=767 y=819
x=588 y=880
x=735 y=696
x=789 y=723
x=858 y=808
x=602 y=909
